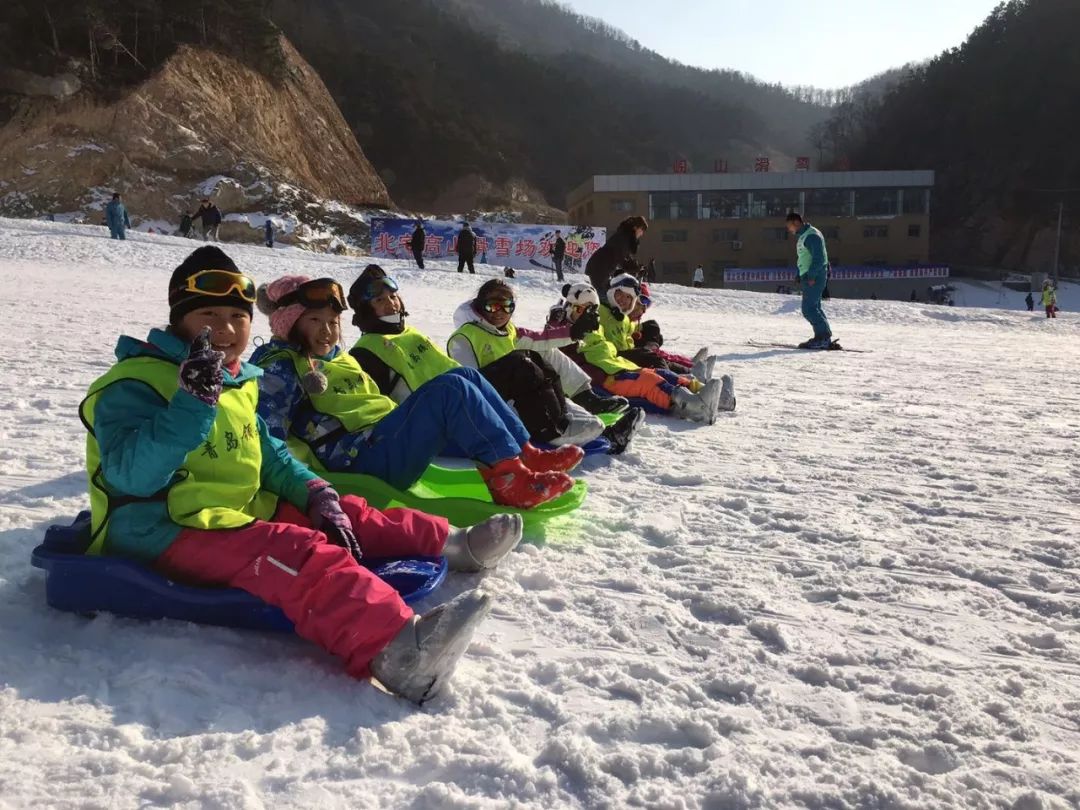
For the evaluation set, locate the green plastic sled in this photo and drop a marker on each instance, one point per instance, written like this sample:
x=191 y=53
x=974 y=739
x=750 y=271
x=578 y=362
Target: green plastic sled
x=459 y=495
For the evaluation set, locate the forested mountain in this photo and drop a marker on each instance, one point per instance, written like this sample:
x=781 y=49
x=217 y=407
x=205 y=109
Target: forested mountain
x=524 y=89
x=997 y=118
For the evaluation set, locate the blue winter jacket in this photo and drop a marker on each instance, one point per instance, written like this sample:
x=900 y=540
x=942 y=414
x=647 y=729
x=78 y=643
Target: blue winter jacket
x=287 y=410
x=116 y=215
x=144 y=441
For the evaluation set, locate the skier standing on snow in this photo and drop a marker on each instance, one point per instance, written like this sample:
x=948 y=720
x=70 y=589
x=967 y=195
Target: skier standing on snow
x=466 y=248
x=558 y=253
x=419 y=240
x=116 y=216
x=1049 y=298
x=1030 y=301
x=185 y=225
x=268 y=231
x=699 y=276
x=813 y=275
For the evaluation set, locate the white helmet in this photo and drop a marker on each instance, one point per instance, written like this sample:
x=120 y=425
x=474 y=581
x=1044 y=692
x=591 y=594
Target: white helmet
x=580 y=295
x=629 y=285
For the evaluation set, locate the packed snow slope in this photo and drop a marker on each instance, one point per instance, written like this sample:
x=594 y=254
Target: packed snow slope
x=858 y=591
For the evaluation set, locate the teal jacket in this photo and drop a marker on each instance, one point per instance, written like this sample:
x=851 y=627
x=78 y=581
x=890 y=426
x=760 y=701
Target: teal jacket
x=144 y=441
x=813 y=259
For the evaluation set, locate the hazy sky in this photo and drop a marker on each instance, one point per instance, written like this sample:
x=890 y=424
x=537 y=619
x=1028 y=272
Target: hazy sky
x=827 y=43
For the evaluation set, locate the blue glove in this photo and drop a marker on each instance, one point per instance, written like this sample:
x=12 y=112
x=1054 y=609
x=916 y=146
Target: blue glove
x=326 y=516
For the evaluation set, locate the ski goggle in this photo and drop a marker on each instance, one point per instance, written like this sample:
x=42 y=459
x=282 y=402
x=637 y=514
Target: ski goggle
x=506 y=305
x=322 y=292
x=220 y=283
x=645 y=300
x=376 y=287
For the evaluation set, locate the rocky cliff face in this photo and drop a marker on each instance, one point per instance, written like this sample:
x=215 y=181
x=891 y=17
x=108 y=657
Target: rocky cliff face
x=203 y=125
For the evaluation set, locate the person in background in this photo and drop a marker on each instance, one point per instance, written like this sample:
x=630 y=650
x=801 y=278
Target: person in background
x=699 y=276
x=419 y=241
x=508 y=272
x=1030 y=301
x=617 y=253
x=116 y=217
x=812 y=275
x=466 y=248
x=558 y=253
x=185 y=225
x=268 y=230
x=210 y=215
x=1049 y=298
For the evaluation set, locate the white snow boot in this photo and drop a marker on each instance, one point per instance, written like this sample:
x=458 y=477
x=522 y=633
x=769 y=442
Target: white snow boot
x=583 y=427
x=704 y=367
x=685 y=404
x=419 y=660
x=727 y=394
x=483 y=545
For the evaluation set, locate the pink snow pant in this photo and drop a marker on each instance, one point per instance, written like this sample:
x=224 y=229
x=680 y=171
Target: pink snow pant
x=332 y=599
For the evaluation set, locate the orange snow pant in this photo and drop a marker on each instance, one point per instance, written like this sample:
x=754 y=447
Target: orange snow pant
x=652 y=384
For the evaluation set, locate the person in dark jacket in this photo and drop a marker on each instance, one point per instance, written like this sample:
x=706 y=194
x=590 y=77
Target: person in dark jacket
x=419 y=240
x=619 y=250
x=466 y=248
x=268 y=231
x=558 y=253
x=1030 y=301
x=185 y=225
x=210 y=215
x=116 y=217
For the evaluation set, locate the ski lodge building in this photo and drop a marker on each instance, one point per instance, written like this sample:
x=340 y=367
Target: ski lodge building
x=876 y=225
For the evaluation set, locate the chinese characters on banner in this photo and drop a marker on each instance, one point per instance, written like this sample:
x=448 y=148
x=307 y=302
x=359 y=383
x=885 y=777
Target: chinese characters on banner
x=682 y=166
x=720 y=166
x=773 y=275
x=802 y=164
x=761 y=164
x=507 y=245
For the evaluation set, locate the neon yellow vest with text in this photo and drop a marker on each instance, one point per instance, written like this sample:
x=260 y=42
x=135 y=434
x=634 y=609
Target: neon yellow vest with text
x=217 y=487
x=351 y=396
x=411 y=355
x=488 y=347
x=619 y=333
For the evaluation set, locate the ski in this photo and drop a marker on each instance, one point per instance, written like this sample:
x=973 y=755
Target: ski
x=761 y=344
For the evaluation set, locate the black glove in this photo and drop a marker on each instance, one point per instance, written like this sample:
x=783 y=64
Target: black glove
x=650 y=333
x=589 y=321
x=201 y=374
x=327 y=516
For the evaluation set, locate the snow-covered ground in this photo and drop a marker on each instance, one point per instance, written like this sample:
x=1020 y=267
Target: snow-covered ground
x=860 y=590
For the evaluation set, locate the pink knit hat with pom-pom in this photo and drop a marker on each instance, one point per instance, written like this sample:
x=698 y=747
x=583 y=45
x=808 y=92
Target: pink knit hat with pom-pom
x=282 y=319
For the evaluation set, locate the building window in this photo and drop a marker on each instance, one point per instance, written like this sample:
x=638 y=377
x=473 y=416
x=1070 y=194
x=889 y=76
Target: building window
x=774 y=203
x=622 y=206
x=673 y=205
x=876 y=232
x=775 y=234
x=831 y=232
x=828 y=202
x=719 y=266
x=673 y=271
x=915 y=200
x=725 y=234
x=724 y=205
x=673 y=236
x=914 y=231
x=875 y=202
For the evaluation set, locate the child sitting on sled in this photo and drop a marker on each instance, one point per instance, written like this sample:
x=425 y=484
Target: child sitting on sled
x=185 y=477
x=317 y=393
x=400 y=358
x=681 y=396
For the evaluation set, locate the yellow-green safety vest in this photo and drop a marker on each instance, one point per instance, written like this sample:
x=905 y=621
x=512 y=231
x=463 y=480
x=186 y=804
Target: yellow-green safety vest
x=619 y=332
x=218 y=485
x=487 y=347
x=411 y=355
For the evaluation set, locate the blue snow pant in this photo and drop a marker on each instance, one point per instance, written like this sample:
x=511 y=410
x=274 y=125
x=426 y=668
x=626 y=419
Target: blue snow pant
x=458 y=408
x=116 y=233
x=811 y=303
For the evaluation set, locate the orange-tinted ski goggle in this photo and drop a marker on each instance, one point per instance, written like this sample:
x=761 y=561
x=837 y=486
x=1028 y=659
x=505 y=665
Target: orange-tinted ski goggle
x=219 y=283
x=322 y=292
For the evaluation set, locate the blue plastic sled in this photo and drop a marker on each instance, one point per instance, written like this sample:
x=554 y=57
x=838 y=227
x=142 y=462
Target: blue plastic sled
x=85 y=584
